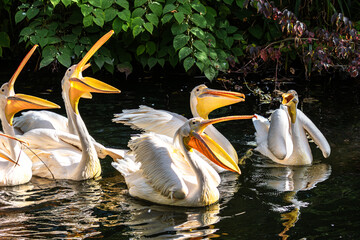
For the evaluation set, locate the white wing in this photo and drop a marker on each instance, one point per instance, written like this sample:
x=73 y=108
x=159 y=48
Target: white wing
x=162 y=165
x=279 y=134
x=40 y=119
x=151 y=120
x=314 y=133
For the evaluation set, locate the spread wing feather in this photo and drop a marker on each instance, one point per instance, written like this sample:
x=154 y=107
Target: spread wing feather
x=151 y=120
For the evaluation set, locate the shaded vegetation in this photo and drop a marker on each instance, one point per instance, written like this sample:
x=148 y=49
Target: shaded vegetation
x=213 y=38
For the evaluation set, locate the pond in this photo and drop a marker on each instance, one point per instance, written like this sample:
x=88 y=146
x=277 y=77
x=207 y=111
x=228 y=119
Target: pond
x=267 y=201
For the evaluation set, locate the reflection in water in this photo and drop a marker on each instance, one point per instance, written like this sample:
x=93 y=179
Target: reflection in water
x=290 y=180
x=67 y=209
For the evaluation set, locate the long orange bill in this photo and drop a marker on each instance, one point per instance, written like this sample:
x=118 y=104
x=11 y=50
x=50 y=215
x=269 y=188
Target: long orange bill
x=90 y=53
x=21 y=66
x=20 y=102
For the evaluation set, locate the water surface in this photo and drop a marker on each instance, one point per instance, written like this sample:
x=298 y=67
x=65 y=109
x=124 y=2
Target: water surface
x=267 y=201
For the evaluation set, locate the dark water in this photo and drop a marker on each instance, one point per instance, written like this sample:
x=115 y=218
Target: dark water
x=267 y=201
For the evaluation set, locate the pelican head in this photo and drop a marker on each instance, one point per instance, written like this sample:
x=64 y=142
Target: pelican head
x=194 y=137
x=204 y=100
x=12 y=103
x=77 y=86
x=291 y=100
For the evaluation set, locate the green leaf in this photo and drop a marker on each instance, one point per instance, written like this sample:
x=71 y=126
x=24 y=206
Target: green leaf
x=173 y=60
x=152 y=62
x=19 y=16
x=201 y=56
x=256 y=31
x=125 y=15
x=150 y=47
x=140 y=50
x=49 y=50
x=136 y=30
x=110 y=14
x=85 y=41
x=99 y=18
x=200 y=65
x=161 y=61
x=180 y=41
x=78 y=49
x=122 y=3
x=4 y=40
x=221 y=33
x=1 y=51
x=47 y=59
x=55 y=2
x=53 y=40
x=198 y=20
x=198 y=32
x=156 y=8
x=210 y=73
x=137 y=22
x=66 y=2
x=95 y=3
x=238 y=37
x=229 y=41
x=138 y=12
x=138 y=3
x=26 y=31
x=168 y=8
x=99 y=60
x=166 y=18
x=199 y=7
x=185 y=9
x=32 y=12
x=64 y=59
x=117 y=25
x=88 y=21
x=200 y=45
x=240 y=3
x=70 y=38
x=188 y=63
x=86 y=9
x=212 y=53
x=179 y=16
x=184 y=52
x=149 y=27
x=109 y=68
x=151 y=17
x=231 y=29
x=177 y=29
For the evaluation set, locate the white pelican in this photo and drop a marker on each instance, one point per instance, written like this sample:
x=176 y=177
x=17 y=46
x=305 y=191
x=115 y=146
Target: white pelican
x=284 y=139
x=166 y=170
x=203 y=101
x=10 y=103
x=63 y=156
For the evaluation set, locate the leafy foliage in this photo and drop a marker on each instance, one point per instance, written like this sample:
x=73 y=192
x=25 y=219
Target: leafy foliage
x=194 y=34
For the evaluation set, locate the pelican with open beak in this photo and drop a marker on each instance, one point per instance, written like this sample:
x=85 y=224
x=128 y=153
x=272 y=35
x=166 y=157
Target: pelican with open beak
x=70 y=154
x=203 y=101
x=284 y=138
x=10 y=103
x=167 y=171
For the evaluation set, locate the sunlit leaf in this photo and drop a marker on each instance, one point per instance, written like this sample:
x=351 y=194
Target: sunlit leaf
x=166 y=18
x=55 y=2
x=88 y=21
x=138 y=3
x=210 y=73
x=199 y=7
x=156 y=8
x=198 y=20
x=200 y=45
x=149 y=27
x=138 y=12
x=201 y=56
x=110 y=14
x=151 y=17
x=184 y=52
x=19 y=16
x=188 y=63
x=125 y=15
x=179 y=16
x=117 y=25
x=136 y=30
x=122 y=3
x=66 y=2
x=180 y=41
x=168 y=8
x=46 y=60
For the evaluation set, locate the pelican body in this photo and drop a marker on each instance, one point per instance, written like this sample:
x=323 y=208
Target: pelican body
x=70 y=154
x=203 y=101
x=166 y=170
x=15 y=165
x=284 y=139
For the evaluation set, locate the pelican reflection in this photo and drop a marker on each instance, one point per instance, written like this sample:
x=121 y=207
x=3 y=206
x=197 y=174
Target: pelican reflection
x=287 y=181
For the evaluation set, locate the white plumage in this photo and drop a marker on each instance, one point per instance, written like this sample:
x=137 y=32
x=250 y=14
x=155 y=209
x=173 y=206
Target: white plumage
x=202 y=101
x=283 y=139
x=167 y=171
